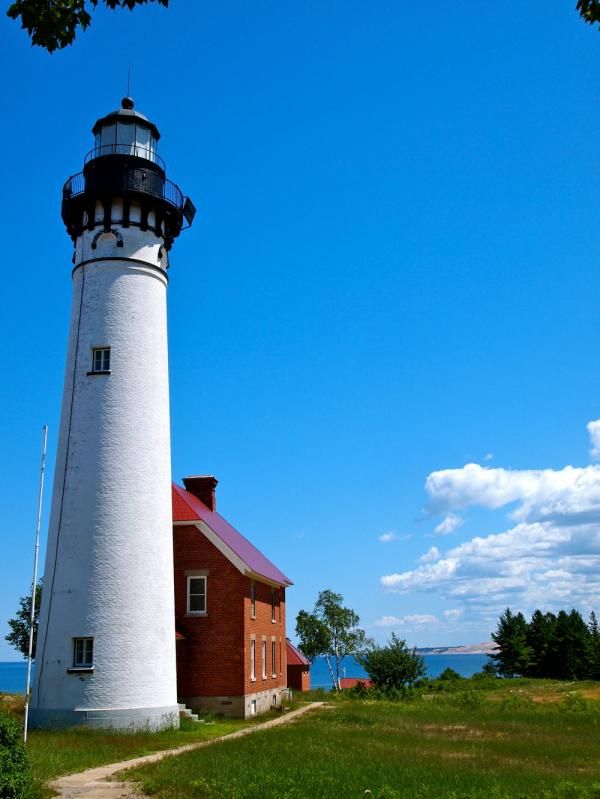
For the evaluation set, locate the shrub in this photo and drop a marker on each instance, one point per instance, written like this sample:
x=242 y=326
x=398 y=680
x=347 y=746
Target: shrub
x=470 y=699
x=359 y=691
x=393 y=665
x=449 y=674
x=14 y=765
x=575 y=702
x=516 y=702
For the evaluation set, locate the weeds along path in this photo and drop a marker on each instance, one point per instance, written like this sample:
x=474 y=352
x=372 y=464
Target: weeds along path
x=94 y=784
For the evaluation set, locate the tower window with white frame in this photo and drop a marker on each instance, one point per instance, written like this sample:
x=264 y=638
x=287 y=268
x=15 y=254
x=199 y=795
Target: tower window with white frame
x=100 y=360
x=196 y=595
x=83 y=653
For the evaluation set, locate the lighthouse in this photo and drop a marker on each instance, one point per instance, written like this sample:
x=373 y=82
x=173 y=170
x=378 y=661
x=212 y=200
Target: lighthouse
x=105 y=652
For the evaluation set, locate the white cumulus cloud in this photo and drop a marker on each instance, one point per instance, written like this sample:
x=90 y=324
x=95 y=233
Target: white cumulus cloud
x=412 y=620
x=593 y=429
x=431 y=556
x=549 y=556
x=453 y=613
x=450 y=523
x=385 y=538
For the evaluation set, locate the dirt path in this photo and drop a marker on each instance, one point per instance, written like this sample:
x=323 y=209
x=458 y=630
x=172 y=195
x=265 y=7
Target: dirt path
x=92 y=784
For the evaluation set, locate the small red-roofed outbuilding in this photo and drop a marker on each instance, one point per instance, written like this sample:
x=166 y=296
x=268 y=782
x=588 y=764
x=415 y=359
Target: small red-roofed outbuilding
x=298 y=669
x=352 y=682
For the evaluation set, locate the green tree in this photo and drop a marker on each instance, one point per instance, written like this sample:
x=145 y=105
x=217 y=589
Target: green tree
x=513 y=654
x=330 y=631
x=449 y=675
x=569 y=647
x=589 y=10
x=21 y=624
x=53 y=24
x=539 y=635
x=593 y=648
x=393 y=665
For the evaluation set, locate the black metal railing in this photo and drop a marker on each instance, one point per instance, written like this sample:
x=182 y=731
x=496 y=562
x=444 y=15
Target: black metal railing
x=125 y=149
x=135 y=179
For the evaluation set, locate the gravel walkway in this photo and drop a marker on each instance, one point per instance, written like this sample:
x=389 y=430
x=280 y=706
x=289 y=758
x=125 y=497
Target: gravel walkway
x=93 y=783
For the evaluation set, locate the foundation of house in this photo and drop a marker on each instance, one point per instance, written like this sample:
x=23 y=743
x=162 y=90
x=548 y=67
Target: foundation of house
x=237 y=706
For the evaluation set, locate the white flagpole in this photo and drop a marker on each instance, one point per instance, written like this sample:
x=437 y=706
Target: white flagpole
x=34 y=584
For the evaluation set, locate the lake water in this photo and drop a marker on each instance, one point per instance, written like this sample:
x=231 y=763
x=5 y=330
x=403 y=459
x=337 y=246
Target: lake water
x=465 y=665
x=13 y=675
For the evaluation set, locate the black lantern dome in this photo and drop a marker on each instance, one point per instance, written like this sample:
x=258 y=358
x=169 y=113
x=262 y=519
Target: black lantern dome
x=125 y=166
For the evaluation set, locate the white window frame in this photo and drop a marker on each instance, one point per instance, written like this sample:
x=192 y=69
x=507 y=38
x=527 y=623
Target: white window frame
x=273 y=614
x=104 y=358
x=263 y=652
x=87 y=652
x=252 y=660
x=273 y=657
x=189 y=578
x=252 y=599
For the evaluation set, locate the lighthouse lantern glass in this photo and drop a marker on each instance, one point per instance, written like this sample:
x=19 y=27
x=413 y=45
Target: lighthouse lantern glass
x=126 y=138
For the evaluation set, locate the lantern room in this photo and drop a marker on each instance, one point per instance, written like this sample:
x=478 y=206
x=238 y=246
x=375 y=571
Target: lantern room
x=124 y=181
x=126 y=132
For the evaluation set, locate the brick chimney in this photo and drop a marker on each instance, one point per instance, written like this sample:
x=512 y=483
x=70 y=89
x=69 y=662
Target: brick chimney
x=203 y=487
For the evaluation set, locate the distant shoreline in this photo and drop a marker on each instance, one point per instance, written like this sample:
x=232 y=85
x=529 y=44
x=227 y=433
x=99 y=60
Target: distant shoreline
x=486 y=648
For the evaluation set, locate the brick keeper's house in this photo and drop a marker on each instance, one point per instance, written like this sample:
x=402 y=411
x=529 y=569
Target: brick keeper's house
x=229 y=611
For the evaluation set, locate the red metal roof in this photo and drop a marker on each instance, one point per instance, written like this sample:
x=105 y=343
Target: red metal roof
x=188 y=508
x=294 y=656
x=350 y=682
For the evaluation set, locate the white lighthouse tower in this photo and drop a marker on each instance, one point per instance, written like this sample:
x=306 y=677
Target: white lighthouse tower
x=106 y=644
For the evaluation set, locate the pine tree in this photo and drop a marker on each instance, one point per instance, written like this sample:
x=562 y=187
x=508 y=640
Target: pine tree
x=568 y=653
x=513 y=655
x=593 y=666
x=539 y=635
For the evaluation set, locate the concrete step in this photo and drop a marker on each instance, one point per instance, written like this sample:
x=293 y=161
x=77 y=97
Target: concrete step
x=186 y=713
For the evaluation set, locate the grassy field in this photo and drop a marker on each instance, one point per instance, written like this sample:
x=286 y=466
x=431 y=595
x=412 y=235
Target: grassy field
x=468 y=739
x=65 y=752
x=518 y=740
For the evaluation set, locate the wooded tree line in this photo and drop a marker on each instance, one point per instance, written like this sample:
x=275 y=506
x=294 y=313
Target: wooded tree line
x=561 y=646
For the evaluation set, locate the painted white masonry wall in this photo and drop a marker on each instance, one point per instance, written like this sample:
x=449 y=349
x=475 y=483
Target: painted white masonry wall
x=109 y=564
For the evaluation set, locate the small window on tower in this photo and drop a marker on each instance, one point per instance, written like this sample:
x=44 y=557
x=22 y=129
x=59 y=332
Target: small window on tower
x=83 y=653
x=100 y=361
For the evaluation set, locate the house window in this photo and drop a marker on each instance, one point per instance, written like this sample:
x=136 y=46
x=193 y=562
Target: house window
x=252 y=599
x=264 y=660
x=273 y=664
x=253 y=707
x=272 y=604
x=196 y=595
x=100 y=360
x=83 y=653
x=253 y=659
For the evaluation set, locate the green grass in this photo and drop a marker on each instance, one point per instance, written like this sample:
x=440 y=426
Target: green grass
x=54 y=753
x=494 y=743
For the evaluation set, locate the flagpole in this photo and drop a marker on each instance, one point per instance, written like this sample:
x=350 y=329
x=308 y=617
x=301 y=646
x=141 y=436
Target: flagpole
x=34 y=583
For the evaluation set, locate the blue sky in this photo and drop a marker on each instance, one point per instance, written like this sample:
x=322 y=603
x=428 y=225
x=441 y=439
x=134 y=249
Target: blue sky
x=394 y=272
